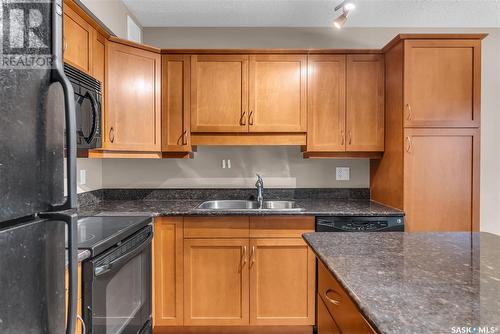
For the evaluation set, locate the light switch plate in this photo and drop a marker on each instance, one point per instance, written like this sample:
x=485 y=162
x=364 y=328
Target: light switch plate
x=343 y=174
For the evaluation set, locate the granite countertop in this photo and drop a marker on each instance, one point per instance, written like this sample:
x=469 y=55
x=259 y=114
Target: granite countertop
x=321 y=207
x=418 y=282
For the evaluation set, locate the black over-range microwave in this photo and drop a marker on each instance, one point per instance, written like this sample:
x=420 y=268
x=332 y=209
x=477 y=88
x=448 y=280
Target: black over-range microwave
x=88 y=108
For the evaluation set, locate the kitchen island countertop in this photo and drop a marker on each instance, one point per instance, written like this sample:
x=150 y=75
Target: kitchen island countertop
x=417 y=282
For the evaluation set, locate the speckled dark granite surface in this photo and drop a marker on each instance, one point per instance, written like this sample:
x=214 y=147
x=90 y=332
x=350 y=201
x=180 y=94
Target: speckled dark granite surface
x=183 y=202
x=417 y=282
x=188 y=208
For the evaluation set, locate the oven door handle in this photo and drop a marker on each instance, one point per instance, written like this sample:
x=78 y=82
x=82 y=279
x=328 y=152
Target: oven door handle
x=105 y=268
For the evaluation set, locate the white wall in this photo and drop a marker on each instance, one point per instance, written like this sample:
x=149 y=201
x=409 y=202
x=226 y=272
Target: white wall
x=279 y=166
x=113 y=13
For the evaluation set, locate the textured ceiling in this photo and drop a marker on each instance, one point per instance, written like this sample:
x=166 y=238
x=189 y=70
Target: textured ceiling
x=315 y=13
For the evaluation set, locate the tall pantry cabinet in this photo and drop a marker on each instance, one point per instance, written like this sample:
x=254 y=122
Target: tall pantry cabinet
x=430 y=168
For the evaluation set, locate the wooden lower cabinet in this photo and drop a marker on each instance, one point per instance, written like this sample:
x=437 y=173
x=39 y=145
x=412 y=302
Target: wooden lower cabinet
x=337 y=313
x=326 y=323
x=282 y=282
x=225 y=272
x=168 y=271
x=216 y=282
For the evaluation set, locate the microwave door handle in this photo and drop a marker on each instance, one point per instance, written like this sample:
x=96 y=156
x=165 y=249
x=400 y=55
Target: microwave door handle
x=95 y=118
x=105 y=268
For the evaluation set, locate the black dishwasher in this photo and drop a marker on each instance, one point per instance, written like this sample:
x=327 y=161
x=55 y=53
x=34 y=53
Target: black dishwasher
x=360 y=224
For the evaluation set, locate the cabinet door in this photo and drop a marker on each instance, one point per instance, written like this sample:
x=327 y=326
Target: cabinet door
x=278 y=93
x=77 y=41
x=219 y=93
x=441 y=180
x=216 y=282
x=326 y=103
x=176 y=103
x=133 y=115
x=167 y=272
x=442 y=83
x=282 y=282
x=365 y=103
x=326 y=324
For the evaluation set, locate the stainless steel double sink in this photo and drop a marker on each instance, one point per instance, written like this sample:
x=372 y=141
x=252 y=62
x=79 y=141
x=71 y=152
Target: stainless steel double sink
x=237 y=205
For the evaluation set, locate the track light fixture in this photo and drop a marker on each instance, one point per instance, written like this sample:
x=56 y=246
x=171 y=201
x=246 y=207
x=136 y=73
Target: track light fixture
x=346 y=6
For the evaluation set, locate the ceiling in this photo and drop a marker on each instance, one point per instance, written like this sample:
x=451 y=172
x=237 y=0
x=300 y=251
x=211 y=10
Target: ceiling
x=315 y=13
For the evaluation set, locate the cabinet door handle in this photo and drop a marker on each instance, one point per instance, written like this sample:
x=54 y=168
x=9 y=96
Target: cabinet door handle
x=243 y=119
x=111 y=134
x=408 y=112
x=244 y=256
x=184 y=137
x=330 y=299
x=408 y=144
x=252 y=256
x=250 y=118
x=350 y=137
x=342 y=137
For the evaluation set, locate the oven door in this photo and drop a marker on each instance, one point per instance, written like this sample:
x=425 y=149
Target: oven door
x=118 y=298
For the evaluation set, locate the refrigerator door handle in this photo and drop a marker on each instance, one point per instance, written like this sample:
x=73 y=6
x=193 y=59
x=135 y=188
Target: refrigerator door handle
x=57 y=75
x=71 y=222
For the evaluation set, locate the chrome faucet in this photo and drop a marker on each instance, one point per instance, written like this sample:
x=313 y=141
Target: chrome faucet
x=260 y=190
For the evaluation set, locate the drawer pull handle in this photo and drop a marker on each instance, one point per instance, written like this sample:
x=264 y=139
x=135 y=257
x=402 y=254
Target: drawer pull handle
x=334 y=301
x=408 y=108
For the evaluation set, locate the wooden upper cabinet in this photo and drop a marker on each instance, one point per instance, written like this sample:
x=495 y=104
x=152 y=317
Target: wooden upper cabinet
x=278 y=93
x=98 y=57
x=441 y=177
x=176 y=103
x=77 y=41
x=219 y=93
x=365 y=103
x=167 y=272
x=442 y=83
x=326 y=103
x=216 y=290
x=282 y=282
x=133 y=113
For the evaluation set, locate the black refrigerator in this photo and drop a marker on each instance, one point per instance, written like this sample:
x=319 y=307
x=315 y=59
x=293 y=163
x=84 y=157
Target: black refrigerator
x=36 y=106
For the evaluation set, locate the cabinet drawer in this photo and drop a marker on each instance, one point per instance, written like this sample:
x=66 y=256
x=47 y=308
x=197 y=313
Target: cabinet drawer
x=339 y=304
x=280 y=226
x=216 y=227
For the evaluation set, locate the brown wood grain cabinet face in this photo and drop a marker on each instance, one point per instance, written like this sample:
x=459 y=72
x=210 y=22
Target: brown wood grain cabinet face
x=133 y=113
x=326 y=323
x=326 y=103
x=77 y=41
x=278 y=93
x=219 y=93
x=176 y=103
x=168 y=272
x=344 y=313
x=282 y=282
x=441 y=175
x=365 y=103
x=216 y=278
x=442 y=83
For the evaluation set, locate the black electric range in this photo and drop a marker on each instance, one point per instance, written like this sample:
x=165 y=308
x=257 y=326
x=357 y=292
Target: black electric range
x=99 y=233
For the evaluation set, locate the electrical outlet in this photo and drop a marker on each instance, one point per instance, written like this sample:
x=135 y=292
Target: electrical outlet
x=228 y=163
x=83 y=177
x=343 y=173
